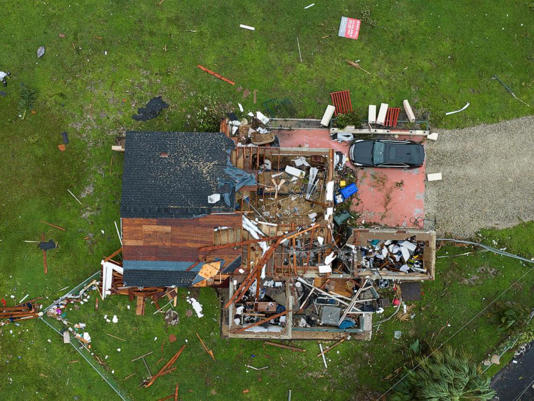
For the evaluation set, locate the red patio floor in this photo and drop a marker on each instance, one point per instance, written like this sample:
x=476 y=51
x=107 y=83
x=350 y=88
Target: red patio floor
x=386 y=196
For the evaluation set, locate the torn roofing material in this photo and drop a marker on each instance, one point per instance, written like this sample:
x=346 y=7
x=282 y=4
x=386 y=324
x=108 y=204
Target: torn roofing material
x=171 y=174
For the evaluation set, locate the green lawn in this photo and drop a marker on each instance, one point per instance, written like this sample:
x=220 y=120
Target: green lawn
x=436 y=55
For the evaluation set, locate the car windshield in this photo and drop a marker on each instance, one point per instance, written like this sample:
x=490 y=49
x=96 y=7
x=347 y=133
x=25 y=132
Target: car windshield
x=378 y=153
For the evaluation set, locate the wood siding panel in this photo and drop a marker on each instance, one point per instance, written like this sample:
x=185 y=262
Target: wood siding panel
x=176 y=239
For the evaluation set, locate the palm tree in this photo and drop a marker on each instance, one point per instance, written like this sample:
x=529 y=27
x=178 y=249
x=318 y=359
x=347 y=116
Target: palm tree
x=444 y=376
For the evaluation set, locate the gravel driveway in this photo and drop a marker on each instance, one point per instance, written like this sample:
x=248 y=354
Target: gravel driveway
x=488 y=177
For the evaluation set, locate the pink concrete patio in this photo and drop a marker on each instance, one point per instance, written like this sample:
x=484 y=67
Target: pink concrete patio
x=386 y=196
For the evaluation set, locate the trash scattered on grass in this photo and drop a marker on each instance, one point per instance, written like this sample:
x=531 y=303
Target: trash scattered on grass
x=40 y=51
x=196 y=306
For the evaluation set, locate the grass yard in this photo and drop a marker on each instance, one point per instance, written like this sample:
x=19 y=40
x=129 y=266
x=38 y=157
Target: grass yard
x=105 y=59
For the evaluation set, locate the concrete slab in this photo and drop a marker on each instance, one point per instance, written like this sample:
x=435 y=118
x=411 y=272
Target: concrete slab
x=386 y=196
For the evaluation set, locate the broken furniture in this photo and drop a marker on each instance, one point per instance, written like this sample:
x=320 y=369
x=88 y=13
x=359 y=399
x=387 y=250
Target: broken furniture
x=341 y=101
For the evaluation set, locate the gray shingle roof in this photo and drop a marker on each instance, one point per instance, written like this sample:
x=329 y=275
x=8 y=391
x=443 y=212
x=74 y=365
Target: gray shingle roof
x=171 y=174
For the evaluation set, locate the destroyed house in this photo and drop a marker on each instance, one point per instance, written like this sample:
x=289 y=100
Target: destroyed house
x=177 y=189
x=202 y=209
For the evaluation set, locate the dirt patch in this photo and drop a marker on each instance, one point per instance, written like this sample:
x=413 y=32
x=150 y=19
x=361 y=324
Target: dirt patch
x=487 y=177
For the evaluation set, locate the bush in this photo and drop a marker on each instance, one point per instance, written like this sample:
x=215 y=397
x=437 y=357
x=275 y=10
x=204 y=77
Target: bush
x=351 y=118
x=207 y=115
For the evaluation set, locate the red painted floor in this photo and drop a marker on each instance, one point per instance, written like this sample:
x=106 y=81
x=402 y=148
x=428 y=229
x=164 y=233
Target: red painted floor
x=386 y=196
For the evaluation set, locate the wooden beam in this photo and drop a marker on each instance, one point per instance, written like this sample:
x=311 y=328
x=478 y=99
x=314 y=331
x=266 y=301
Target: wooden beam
x=284 y=346
x=53 y=225
x=165 y=368
x=333 y=346
x=140 y=306
x=44 y=255
x=113 y=254
x=208 y=351
x=245 y=285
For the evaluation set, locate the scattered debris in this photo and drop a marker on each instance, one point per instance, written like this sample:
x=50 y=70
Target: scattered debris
x=216 y=75
x=349 y=28
x=40 y=51
x=309 y=6
x=3 y=78
x=434 y=177
x=255 y=368
x=152 y=109
x=300 y=54
x=22 y=311
x=196 y=306
x=509 y=90
x=74 y=196
x=53 y=225
x=322 y=354
x=408 y=110
x=165 y=369
x=433 y=136
x=250 y=28
x=355 y=64
x=113 y=336
x=459 y=110
x=208 y=351
x=290 y=347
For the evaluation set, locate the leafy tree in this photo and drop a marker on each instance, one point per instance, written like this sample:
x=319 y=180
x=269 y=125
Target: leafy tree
x=444 y=376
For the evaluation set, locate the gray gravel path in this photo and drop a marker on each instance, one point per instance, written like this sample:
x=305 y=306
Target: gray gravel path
x=488 y=177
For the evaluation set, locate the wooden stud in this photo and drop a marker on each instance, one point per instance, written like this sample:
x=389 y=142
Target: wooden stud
x=284 y=346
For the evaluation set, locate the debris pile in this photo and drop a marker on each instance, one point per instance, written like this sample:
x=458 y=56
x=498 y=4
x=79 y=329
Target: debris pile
x=252 y=130
x=400 y=256
x=22 y=311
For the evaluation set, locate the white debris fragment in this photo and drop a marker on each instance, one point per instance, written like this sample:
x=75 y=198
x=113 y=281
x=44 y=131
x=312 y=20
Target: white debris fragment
x=295 y=172
x=240 y=107
x=155 y=338
x=434 y=177
x=309 y=6
x=325 y=269
x=196 y=306
x=250 y=28
x=301 y=161
x=330 y=258
x=214 y=198
x=115 y=319
x=86 y=336
x=40 y=51
x=118 y=350
x=262 y=117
